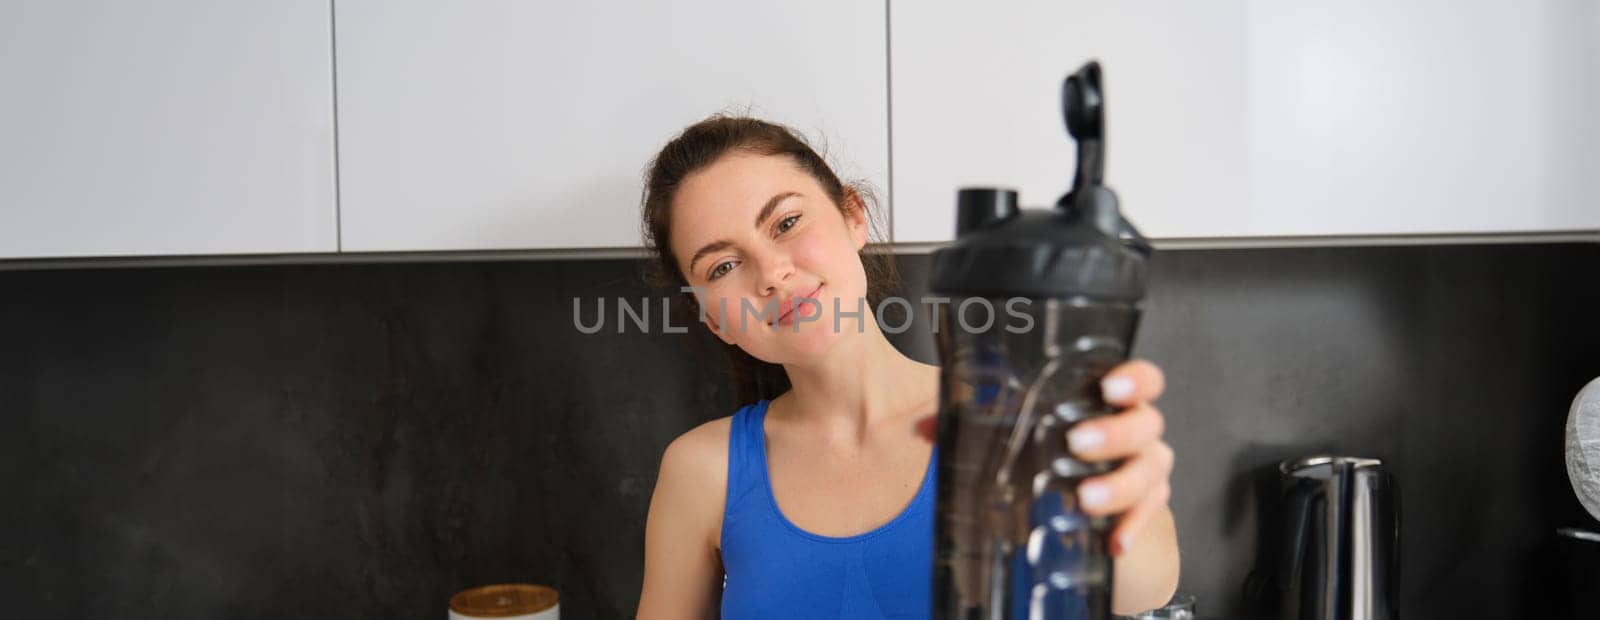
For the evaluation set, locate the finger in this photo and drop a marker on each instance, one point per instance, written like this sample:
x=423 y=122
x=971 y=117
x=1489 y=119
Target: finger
x=927 y=427
x=1137 y=518
x=1132 y=382
x=1121 y=489
x=1116 y=436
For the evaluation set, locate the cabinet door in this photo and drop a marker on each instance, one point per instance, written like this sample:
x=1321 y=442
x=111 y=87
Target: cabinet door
x=166 y=127
x=495 y=124
x=1247 y=118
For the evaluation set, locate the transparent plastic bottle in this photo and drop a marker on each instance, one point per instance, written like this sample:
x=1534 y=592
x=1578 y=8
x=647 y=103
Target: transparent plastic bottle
x=1041 y=304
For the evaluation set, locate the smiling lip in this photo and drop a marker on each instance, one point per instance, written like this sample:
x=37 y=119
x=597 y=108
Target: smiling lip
x=789 y=305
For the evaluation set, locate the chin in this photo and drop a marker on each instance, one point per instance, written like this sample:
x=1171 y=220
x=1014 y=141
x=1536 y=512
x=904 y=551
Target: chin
x=784 y=346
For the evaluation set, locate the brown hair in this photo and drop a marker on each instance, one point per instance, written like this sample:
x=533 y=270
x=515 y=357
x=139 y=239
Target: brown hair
x=701 y=145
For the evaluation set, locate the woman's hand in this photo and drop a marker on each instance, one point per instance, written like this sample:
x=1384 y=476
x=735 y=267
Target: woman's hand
x=1139 y=488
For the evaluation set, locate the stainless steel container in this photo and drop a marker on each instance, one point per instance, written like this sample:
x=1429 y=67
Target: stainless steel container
x=1341 y=540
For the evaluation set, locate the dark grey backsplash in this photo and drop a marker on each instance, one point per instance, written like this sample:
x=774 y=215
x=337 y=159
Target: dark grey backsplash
x=364 y=440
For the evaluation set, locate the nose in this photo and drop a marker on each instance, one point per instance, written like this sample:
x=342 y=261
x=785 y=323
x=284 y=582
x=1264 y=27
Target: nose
x=776 y=268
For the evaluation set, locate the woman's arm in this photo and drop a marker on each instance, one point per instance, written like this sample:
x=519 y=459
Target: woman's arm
x=682 y=569
x=1146 y=574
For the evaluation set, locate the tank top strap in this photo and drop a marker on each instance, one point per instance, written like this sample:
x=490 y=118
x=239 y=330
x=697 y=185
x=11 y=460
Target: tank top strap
x=746 y=464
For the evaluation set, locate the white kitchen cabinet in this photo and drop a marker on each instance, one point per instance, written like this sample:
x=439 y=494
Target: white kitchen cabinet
x=1259 y=118
x=166 y=127
x=506 y=124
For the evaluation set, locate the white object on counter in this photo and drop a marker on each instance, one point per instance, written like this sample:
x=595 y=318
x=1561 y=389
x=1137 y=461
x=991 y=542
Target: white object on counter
x=1583 y=447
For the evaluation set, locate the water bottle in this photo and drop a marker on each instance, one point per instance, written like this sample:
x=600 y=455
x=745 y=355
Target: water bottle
x=1034 y=306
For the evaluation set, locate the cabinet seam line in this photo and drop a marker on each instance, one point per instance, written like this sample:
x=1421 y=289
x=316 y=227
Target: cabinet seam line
x=333 y=58
x=888 y=96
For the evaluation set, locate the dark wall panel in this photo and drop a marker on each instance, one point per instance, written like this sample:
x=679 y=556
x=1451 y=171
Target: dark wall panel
x=364 y=440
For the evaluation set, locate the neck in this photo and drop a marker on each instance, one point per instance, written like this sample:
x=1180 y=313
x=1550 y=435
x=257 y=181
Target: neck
x=862 y=383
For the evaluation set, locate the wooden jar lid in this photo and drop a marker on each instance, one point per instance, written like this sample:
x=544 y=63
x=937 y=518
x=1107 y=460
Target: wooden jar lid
x=504 y=600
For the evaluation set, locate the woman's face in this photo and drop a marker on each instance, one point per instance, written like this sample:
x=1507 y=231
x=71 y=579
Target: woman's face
x=755 y=234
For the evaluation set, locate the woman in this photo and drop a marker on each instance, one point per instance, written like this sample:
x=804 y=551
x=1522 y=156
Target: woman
x=815 y=499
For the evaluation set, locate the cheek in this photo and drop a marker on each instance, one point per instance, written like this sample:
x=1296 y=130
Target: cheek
x=716 y=302
x=834 y=260
x=819 y=250
x=722 y=302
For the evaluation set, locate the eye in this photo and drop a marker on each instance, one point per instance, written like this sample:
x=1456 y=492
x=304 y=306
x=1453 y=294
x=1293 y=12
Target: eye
x=788 y=222
x=719 y=270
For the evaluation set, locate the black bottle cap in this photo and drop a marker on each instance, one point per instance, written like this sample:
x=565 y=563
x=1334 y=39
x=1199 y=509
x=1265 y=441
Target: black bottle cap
x=977 y=207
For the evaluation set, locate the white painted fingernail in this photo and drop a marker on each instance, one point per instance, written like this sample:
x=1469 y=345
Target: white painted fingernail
x=1093 y=495
x=1117 y=388
x=1125 y=542
x=1084 y=439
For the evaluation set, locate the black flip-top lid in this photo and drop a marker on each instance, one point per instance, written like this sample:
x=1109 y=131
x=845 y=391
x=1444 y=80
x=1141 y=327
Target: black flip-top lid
x=1037 y=253
x=1082 y=247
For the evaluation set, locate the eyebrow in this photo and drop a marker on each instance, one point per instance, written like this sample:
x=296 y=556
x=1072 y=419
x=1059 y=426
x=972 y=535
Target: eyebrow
x=766 y=212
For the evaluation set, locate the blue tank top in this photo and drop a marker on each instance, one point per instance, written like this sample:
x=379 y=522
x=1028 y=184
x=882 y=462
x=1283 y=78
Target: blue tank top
x=774 y=569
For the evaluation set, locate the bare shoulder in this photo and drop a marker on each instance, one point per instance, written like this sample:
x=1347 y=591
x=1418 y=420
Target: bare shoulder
x=693 y=480
x=682 y=563
x=700 y=452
